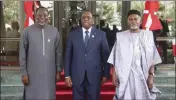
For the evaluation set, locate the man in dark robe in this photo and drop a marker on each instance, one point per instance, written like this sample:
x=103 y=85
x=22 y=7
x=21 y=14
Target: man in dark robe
x=40 y=58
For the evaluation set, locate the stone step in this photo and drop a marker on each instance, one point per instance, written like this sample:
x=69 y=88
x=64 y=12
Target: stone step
x=14 y=77
x=165 y=67
x=12 y=88
x=166 y=97
x=166 y=88
x=15 y=70
x=159 y=66
x=164 y=77
x=164 y=80
x=19 y=88
x=10 y=76
x=161 y=77
x=165 y=72
x=12 y=96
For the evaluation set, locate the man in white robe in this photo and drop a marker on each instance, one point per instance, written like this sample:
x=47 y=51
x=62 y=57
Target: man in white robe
x=133 y=58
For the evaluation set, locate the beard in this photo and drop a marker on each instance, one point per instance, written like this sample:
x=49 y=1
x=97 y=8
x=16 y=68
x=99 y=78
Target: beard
x=42 y=23
x=134 y=27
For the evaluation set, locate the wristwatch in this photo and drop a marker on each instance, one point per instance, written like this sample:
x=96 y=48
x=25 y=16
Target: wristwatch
x=152 y=74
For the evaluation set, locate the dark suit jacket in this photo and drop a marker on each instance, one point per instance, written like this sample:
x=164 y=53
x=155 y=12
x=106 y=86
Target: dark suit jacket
x=92 y=59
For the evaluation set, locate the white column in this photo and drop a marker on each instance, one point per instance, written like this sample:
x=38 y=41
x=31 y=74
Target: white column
x=21 y=19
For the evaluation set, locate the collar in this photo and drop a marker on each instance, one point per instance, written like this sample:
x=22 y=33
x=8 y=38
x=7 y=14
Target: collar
x=84 y=30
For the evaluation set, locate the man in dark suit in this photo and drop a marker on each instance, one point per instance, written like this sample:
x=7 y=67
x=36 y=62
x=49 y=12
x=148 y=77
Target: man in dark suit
x=86 y=66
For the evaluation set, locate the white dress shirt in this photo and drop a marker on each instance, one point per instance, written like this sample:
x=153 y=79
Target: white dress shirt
x=84 y=34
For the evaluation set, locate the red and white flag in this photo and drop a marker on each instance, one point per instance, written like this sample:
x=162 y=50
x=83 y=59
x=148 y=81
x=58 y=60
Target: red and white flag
x=29 y=8
x=150 y=19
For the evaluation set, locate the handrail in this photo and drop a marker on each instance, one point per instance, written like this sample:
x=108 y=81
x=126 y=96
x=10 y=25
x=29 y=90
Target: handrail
x=165 y=38
x=10 y=68
x=10 y=39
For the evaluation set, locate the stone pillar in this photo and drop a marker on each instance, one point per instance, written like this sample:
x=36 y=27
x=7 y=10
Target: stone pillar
x=2 y=27
x=53 y=15
x=73 y=11
x=92 y=8
x=21 y=19
x=125 y=8
x=66 y=10
x=58 y=18
x=56 y=13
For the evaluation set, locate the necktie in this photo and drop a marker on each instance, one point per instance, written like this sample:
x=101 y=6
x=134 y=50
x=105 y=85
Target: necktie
x=86 y=38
